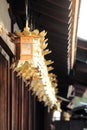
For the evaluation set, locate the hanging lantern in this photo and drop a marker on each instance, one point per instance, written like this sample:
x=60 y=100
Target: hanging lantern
x=31 y=65
x=27 y=44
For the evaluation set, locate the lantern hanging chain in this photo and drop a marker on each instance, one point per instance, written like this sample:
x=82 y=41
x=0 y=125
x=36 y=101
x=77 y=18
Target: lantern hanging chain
x=27 y=6
x=27 y=13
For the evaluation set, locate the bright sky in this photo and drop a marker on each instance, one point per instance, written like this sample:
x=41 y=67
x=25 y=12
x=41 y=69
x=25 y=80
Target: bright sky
x=82 y=23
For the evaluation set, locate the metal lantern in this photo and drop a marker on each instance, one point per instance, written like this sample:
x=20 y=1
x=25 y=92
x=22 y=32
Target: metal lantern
x=31 y=65
x=27 y=44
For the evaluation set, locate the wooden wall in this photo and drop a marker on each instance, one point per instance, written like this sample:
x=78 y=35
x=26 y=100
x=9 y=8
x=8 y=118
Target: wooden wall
x=19 y=109
x=4 y=98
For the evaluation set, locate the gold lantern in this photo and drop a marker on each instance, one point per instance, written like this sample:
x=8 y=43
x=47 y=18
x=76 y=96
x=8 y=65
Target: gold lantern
x=26 y=44
x=31 y=48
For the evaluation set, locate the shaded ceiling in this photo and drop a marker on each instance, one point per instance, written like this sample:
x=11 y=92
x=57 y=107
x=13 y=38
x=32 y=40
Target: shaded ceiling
x=57 y=18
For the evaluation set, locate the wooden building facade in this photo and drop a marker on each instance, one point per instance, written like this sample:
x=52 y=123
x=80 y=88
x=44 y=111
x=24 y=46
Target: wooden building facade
x=19 y=109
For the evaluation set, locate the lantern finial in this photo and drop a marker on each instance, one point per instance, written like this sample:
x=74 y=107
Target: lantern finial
x=26 y=29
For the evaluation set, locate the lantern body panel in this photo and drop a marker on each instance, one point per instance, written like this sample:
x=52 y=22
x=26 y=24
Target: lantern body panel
x=26 y=48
